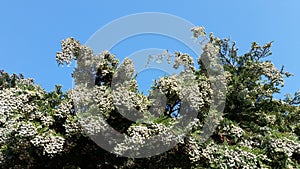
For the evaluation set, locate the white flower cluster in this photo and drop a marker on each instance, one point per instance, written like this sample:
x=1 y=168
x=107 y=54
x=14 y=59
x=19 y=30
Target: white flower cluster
x=222 y=156
x=146 y=138
x=270 y=71
x=8 y=105
x=271 y=119
x=82 y=97
x=185 y=87
x=92 y=125
x=88 y=64
x=205 y=88
x=170 y=83
x=252 y=142
x=25 y=82
x=285 y=145
x=85 y=99
x=233 y=130
x=124 y=75
x=47 y=120
x=184 y=59
x=72 y=126
x=27 y=122
x=124 y=86
x=26 y=130
x=210 y=62
x=198 y=31
x=106 y=62
x=103 y=98
x=85 y=57
x=141 y=131
x=160 y=58
x=135 y=105
x=249 y=143
x=193 y=149
x=210 y=58
x=191 y=92
x=119 y=95
x=63 y=109
x=12 y=102
x=51 y=144
x=69 y=47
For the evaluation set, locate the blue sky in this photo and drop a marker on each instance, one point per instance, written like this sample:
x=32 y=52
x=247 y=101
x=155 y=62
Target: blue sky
x=31 y=31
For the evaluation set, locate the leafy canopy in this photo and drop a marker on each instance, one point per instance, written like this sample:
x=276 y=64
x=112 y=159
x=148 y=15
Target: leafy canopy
x=42 y=129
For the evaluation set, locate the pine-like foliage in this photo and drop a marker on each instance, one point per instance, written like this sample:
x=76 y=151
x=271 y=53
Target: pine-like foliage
x=40 y=129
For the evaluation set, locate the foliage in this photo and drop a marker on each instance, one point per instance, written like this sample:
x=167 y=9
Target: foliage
x=42 y=129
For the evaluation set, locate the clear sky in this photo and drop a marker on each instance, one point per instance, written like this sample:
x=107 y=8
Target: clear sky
x=31 y=31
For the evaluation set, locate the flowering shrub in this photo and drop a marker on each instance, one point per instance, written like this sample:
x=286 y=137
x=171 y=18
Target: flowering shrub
x=40 y=129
